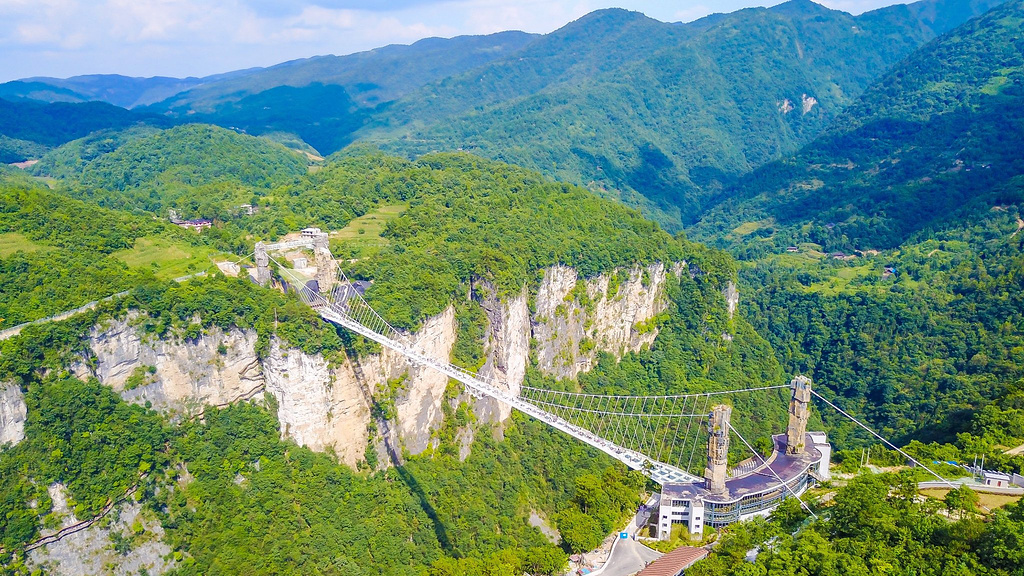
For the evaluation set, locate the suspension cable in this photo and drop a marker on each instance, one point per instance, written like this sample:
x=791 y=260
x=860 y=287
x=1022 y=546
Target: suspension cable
x=887 y=443
x=772 y=470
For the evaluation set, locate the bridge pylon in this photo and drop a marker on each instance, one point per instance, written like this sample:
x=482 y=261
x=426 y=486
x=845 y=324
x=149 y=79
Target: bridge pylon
x=718 y=449
x=799 y=411
x=262 y=264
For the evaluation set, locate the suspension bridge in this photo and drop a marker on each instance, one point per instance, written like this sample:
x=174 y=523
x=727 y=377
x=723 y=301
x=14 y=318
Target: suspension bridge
x=659 y=435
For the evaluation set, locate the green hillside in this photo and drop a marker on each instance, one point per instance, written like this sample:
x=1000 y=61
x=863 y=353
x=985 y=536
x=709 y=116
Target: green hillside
x=28 y=128
x=460 y=218
x=322 y=116
x=885 y=257
x=858 y=177
x=57 y=253
x=371 y=77
x=123 y=91
x=200 y=170
x=936 y=139
x=663 y=116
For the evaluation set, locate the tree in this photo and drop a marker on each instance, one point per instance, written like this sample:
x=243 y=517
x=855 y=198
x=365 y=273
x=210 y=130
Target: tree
x=961 y=500
x=580 y=532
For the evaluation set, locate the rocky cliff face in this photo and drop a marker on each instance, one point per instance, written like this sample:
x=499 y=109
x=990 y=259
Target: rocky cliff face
x=606 y=314
x=215 y=369
x=319 y=405
x=325 y=406
x=12 y=414
x=92 y=551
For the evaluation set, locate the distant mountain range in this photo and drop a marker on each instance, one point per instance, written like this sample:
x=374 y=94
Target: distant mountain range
x=665 y=117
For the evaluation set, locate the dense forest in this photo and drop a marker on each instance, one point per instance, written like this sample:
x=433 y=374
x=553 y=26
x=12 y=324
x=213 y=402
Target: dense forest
x=884 y=258
x=438 y=514
x=875 y=524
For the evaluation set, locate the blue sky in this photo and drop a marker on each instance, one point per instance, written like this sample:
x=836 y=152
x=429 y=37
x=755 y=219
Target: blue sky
x=200 y=37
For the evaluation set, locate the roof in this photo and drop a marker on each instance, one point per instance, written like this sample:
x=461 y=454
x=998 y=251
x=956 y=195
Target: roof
x=674 y=562
x=996 y=475
x=763 y=478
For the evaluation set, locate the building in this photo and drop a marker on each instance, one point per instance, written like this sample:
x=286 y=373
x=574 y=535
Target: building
x=997 y=479
x=675 y=562
x=198 y=224
x=799 y=459
x=310 y=232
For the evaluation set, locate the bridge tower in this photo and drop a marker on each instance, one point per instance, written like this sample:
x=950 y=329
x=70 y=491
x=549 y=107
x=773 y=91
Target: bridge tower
x=718 y=449
x=326 y=271
x=262 y=264
x=799 y=411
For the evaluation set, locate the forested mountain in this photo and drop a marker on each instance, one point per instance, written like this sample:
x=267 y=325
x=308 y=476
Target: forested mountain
x=661 y=116
x=464 y=219
x=28 y=128
x=935 y=140
x=370 y=77
x=664 y=115
x=123 y=91
x=881 y=255
x=199 y=169
x=885 y=257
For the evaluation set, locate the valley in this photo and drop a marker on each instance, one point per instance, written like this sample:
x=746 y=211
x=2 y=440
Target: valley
x=528 y=283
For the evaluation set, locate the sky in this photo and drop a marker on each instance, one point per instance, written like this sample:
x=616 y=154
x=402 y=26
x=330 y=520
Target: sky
x=181 y=38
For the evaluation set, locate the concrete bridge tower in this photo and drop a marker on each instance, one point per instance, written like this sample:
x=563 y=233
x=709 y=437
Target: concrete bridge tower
x=799 y=411
x=262 y=264
x=326 y=271
x=718 y=449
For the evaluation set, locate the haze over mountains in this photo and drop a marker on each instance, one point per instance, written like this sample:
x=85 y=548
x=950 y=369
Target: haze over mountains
x=662 y=116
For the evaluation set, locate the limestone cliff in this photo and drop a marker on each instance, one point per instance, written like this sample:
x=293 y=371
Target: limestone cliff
x=319 y=405
x=12 y=414
x=92 y=550
x=216 y=368
x=329 y=406
x=572 y=325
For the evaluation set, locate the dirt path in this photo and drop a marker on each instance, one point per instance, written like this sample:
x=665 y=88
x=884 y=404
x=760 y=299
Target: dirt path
x=1020 y=226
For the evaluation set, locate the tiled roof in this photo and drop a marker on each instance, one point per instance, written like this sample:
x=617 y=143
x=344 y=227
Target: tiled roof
x=674 y=562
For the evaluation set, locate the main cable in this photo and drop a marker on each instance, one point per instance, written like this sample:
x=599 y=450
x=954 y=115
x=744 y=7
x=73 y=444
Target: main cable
x=774 y=473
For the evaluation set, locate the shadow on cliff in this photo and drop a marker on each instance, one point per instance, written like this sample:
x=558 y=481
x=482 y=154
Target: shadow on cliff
x=440 y=532
x=414 y=486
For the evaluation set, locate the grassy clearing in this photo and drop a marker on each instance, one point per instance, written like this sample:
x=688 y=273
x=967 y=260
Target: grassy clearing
x=990 y=501
x=840 y=282
x=362 y=236
x=747 y=228
x=167 y=259
x=11 y=242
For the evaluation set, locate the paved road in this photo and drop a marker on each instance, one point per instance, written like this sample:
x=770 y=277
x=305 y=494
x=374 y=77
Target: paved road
x=628 y=558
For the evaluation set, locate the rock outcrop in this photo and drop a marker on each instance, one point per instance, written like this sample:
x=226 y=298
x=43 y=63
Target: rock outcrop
x=216 y=368
x=328 y=406
x=92 y=550
x=12 y=414
x=571 y=326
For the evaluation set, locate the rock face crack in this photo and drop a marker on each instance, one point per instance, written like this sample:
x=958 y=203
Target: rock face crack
x=12 y=414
